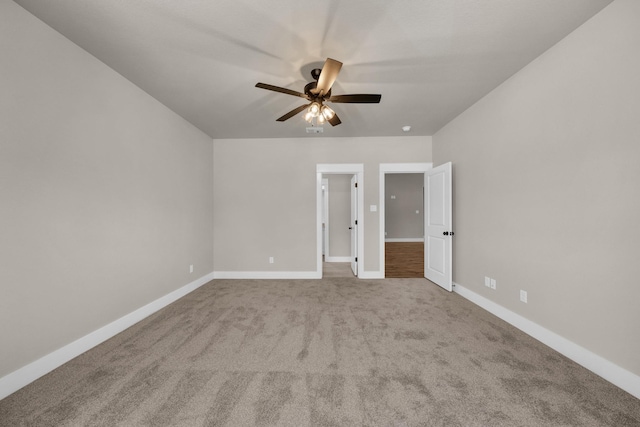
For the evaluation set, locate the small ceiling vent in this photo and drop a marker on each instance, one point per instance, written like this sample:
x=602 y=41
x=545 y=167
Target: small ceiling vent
x=314 y=129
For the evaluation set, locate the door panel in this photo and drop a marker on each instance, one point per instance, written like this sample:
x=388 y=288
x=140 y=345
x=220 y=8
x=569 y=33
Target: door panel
x=438 y=226
x=436 y=248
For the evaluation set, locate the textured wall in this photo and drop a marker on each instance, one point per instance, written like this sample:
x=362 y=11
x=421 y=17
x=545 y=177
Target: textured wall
x=546 y=187
x=105 y=194
x=265 y=196
x=401 y=219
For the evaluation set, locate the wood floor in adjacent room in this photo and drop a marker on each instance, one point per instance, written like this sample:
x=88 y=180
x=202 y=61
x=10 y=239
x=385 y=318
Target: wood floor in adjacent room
x=404 y=259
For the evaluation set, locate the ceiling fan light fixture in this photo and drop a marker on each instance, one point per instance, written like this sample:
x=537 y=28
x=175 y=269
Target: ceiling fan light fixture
x=309 y=116
x=327 y=112
x=321 y=119
x=314 y=109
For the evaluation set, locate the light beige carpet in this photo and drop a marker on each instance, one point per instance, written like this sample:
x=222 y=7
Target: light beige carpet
x=336 y=269
x=333 y=352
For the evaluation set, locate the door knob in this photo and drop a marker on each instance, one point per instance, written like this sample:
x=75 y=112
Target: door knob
x=446 y=233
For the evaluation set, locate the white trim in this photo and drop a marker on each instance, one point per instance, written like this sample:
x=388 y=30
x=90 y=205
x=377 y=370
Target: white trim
x=371 y=275
x=339 y=169
x=404 y=239
x=318 y=222
x=14 y=381
x=627 y=381
x=266 y=275
x=325 y=216
x=393 y=168
x=337 y=259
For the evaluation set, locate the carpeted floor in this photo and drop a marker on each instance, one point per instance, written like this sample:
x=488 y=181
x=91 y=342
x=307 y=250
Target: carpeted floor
x=333 y=352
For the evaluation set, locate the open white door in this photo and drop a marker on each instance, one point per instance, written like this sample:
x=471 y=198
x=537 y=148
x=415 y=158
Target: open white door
x=438 y=226
x=353 y=225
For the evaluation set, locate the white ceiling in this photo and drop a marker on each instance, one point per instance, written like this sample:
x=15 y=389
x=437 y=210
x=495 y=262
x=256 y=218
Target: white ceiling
x=430 y=59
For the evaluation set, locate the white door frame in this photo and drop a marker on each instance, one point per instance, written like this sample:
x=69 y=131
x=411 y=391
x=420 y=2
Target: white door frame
x=386 y=168
x=340 y=169
x=325 y=215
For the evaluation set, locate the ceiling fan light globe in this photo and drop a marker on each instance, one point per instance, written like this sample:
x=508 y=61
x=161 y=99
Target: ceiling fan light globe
x=321 y=119
x=314 y=109
x=327 y=112
x=308 y=117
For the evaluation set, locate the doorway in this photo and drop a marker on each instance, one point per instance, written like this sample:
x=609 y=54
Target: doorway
x=348 y=229
x=438 y=231
x=404 y=225
x=337 y=218
x=395 y=168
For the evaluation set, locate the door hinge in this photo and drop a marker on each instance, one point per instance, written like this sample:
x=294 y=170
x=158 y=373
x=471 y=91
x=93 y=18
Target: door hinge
x=356 y=259
x=356 y=222
x=356 y=185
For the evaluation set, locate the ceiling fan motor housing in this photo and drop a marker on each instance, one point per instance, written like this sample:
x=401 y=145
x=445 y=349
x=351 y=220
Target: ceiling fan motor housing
x=312 y=85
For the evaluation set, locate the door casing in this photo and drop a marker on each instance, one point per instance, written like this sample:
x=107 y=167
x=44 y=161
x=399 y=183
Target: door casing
x=325 y=216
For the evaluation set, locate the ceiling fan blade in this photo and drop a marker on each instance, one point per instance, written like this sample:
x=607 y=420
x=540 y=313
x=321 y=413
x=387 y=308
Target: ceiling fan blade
x=357 y=99
x=292 y=113
x=328 y=75
x=335 y=120
x=281 y=90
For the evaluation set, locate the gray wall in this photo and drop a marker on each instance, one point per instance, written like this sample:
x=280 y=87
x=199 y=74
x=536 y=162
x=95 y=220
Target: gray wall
x=105 y=194
x=401 y=219
x=265 y=196
x=339 y=215
x=547 y=187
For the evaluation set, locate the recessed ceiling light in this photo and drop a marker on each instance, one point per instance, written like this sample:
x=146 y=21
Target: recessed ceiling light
x=406 y=128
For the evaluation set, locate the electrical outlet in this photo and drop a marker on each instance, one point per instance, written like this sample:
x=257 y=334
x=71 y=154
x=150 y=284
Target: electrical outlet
x=271 y=261
x=493 y=283
x=487 y=281
x=191 y=268
x=523 y=296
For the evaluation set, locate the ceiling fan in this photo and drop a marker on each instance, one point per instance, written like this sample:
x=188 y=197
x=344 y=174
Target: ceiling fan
x=318 y=92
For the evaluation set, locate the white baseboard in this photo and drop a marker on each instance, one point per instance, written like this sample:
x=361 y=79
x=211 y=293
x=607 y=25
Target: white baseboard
x=17 y=379
x=370 y=275
x=337 y=259
x=627 y=381
x=404 y=239
x=267 y=275
x=286 y=275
